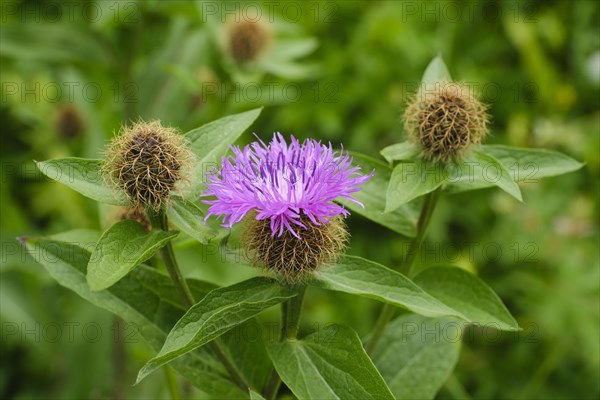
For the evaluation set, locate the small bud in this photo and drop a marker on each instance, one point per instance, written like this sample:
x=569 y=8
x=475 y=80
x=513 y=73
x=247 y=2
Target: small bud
x=69 y=123
x=445 y=121
x=290 y=257
x=246 y=40
x=148 y=162
x=136 y=214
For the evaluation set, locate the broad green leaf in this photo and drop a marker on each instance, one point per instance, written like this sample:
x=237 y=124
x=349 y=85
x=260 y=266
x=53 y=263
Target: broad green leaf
x=85 y=238
x=221 y=310
x=186 y=216
x=121 y=248
x=403 y=220
x=245 y=347
x=141 y=308
x=436 y=72
x=529 y=165
x=478 y=170
x=211 y=141
x=328 y=364
x=416 y=355
x=289 y=49
x=162 y=286
x=412 y=179
x=400 y=151
x=82 y=175
x=467 y=294
x=366 y=278
x=255 y=396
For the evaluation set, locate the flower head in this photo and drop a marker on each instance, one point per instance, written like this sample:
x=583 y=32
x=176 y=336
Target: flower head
x=445 y=121
x=282 y=183
x=247 y=39
x=285 y=193
x=147 y=161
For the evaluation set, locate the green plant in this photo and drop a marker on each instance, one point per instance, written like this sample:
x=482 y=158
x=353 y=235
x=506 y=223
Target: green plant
x=192 y=325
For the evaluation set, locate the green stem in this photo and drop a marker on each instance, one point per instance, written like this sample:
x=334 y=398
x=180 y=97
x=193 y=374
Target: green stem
x=159 y=220
x=388 y=310
x=424 y=218
x=290 y=318
x=172 y=383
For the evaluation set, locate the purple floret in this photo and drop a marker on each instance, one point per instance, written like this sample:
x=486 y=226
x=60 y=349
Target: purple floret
x=282 y=183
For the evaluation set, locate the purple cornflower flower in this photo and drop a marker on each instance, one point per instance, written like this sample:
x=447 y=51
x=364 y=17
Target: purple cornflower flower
x=282 y=183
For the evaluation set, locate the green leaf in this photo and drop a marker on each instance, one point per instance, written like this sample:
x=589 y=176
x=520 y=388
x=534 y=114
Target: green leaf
x=478 y=170
x=245 y=347
x=328 y=364
x=412 y=179
x=400 y=151
x=82 y=175
x=436 y=72
x=403 y=220
x=162 y=286
x=529 y=165
x=139 y=307
x=255 y=396
x=467 y=294
x=221 y=310
x=366 y=278
x=211 y=141
x=121 y=248
x=186 y=216
x=416 y=355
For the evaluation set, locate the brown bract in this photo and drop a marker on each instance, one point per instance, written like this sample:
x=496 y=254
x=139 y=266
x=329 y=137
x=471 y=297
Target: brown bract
x=289 y=258
x=445 y=121
x=148 y=162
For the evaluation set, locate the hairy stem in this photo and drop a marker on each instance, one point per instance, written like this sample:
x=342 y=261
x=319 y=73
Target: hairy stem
x=159 y=221
x=388 y=310
x=290 y=318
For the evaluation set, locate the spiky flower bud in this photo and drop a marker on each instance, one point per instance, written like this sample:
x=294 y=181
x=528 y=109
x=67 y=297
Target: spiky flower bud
x=445 y=121
x=286 y=196
x=148 y=162
x=247 y=39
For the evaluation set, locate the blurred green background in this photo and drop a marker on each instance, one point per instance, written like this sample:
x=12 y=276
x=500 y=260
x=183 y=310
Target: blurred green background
x=73 y=72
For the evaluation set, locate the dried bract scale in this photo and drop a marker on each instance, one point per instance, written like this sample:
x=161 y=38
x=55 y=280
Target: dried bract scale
x=293 y=258
x=287 y=196
x=247 y=39
x=445 y=120
x=148 y=162
x=136 y=214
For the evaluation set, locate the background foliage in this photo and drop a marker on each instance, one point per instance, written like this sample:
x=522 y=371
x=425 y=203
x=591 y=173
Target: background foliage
x=341 y=72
